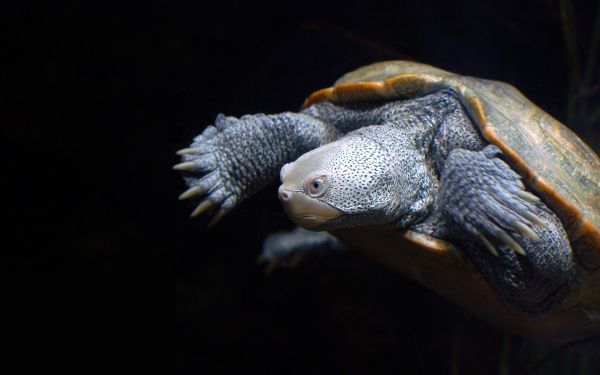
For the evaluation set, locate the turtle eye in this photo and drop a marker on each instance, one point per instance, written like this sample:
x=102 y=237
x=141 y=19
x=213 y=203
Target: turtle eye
x=316 y=186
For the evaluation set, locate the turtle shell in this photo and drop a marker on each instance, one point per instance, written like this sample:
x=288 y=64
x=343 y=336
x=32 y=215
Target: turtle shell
x=553 y=161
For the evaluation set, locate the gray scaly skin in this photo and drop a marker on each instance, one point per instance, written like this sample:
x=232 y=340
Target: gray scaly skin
x=418 y=164
x=236 y=158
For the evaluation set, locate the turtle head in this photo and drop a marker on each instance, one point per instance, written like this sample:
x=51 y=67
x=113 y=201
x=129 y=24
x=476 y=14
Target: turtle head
x=352 y=182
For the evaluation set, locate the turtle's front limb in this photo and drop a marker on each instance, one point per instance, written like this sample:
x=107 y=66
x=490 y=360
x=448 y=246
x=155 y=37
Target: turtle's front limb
x=515 y=241
x=287 y=249
x=235 y=158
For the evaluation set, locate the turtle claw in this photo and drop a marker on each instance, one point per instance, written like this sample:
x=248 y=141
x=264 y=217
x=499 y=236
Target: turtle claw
x=510 y=242
x=218 y=216
x=524 y=230
x=188 y=151
x=534 y=219
x=488 y=245
x=201 y=208
x=186 y=166
x=527 y=196
x=192 y=192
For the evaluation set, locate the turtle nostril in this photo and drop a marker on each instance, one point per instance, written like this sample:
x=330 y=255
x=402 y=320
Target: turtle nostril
x=284 y=194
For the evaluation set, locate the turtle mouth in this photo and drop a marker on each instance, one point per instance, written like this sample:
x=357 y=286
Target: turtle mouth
x=308 y=221
x=305 y=211
x=303 y=217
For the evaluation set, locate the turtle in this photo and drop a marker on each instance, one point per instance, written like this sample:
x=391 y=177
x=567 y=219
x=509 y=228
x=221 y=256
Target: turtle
x=460 y=183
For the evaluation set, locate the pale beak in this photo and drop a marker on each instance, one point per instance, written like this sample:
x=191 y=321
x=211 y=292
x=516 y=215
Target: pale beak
x=303 y=210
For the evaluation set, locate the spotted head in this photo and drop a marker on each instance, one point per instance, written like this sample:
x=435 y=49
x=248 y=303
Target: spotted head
x=363 y=179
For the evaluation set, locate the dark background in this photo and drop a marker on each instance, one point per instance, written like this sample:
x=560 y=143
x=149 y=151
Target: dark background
x=99 y=97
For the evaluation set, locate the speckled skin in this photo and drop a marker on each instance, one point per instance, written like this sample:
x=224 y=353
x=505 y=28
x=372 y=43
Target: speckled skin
x=418 y=164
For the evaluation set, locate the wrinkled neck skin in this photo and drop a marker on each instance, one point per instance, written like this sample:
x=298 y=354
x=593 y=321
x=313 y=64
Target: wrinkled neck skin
x=375 y=176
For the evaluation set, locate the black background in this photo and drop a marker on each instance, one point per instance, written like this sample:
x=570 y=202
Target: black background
x=99 y=98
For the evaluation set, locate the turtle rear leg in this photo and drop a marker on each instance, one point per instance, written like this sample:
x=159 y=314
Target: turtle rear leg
x=512 y=237
x=287 y=249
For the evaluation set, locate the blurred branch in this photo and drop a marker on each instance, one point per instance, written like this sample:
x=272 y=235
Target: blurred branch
x=569 y=32
x=567 y=15
x=358 y=39
x=590 y=65
x=582 y=103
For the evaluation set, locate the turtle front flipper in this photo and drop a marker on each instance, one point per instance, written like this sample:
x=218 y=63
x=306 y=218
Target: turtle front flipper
x=528 y=258
x=487 y=199
x=235 y=158
x=287 y=249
